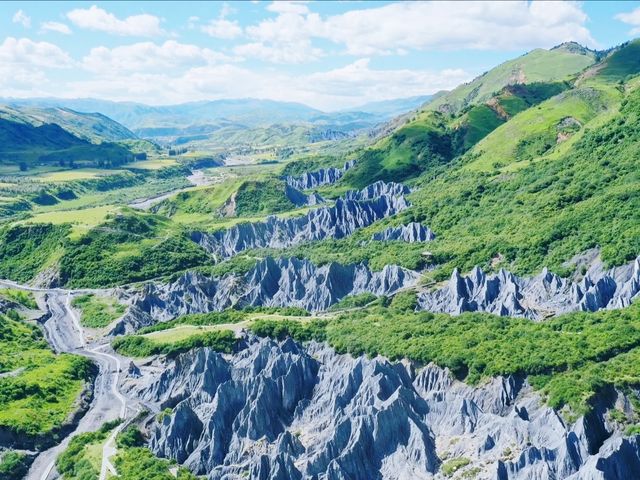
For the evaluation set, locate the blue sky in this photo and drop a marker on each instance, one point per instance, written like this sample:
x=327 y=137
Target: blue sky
x=330 y=55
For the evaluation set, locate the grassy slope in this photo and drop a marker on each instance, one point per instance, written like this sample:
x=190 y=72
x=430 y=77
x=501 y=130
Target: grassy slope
x=536 y=66
x=98 y=312
x=40 y=397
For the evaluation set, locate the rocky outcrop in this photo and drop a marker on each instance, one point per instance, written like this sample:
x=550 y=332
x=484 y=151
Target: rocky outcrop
x=283 y=411
x=356 y=209
x=300 y=199
x=535 y=297
x=272 y=282
x=324 y=176
x=410 y=233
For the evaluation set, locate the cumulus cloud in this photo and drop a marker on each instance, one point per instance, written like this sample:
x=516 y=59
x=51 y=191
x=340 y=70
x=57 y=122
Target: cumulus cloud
x=399 y=27
x=23 y=64
x=221 y=27
x=55 y=27
x=22 y=18
x=630 y=18
x=95 y=18
x=145 y=57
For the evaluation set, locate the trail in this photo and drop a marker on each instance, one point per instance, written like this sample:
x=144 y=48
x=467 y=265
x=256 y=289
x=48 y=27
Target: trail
x=64 y=333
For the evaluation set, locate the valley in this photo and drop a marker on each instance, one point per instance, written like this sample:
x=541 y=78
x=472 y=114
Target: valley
x=433 y=287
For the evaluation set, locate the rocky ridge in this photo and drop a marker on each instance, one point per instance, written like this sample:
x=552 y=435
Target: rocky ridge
x=324 y=176
x=355 y=210
x=277 y=410
x=535 y=297
x=410 y=233
x=271 y=282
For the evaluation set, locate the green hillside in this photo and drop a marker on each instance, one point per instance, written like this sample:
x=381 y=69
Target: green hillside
x=93 y=127
x=555 y=65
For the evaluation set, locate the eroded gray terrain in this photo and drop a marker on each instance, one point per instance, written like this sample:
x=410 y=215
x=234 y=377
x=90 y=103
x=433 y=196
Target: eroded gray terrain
x=535 y=297
x=272 y=282
x=355 y=210
x=283 y=411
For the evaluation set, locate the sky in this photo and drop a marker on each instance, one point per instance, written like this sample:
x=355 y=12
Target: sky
x=329 y=55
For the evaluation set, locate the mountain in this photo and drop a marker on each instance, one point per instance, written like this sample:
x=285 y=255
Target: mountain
x=479 y=317
x=453 y=122
x=394 y=107
x=61 y=136
x=93 y=127
x=557 y=64
x=228 y=123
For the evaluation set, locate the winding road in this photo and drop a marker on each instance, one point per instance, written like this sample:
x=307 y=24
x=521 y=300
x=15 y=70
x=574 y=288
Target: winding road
x=64 y=333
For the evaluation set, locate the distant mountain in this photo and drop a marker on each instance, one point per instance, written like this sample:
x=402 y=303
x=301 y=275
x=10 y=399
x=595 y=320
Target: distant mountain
x=250 y=112
x=30 y=135
x=93 y=127
x=393 y=108
x=233 y=122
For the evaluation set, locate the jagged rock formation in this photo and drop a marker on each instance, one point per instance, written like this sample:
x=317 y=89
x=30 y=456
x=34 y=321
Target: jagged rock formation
x=299 y=199
x=324 y=176
x=410 y=233
x=356 y=209
x=272 y=282
x=535 y=297
x=281 y=411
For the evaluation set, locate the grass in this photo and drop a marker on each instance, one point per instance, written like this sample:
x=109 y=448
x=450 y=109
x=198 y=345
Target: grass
x=452 y=466
x=536 y=66
x=13 y=465
x=81 y=220
x=24 y=298
x=533 y=132
x=82 y=459
x=37 y=399
x=98 y=311
x=153 y=163
x=141 y=346
x=74 y=174
x=139 y=463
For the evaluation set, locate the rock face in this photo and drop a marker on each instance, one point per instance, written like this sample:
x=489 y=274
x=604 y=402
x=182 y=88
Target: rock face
x=353 y=211
x=283 y=411
x=410 y=233
x=535 y=297
x=272 y=282
x=300 y=199
x=324 y=176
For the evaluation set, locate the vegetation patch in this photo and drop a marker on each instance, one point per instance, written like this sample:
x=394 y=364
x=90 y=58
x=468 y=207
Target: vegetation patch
x=22 y=297
x=13 y=465
x=260 y=197
x=97 y=311
x=78 y=462
x=139 y=346
x=40 y=388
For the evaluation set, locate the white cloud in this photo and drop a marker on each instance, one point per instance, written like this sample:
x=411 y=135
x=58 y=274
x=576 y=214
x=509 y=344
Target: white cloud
x=222 y=28
x=55 y=27
x=23 y=65
x=631 y=18
x=146 y=57
x=26 y=52
x=344 y=87
x=22 y=18
x=398 y=27
x=95 y=18
x=299 y=52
